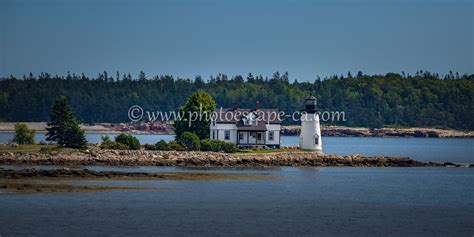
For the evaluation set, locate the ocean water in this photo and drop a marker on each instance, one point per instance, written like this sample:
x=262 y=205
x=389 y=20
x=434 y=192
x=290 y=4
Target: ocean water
x=457 y=150
x=432 y=201
x=299 y=202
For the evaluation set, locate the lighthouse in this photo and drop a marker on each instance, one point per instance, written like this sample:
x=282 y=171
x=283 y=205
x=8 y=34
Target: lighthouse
x=310 y=134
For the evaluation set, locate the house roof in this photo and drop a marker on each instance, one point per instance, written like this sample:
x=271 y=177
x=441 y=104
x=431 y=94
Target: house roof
x=259 y=126
x=235 y=116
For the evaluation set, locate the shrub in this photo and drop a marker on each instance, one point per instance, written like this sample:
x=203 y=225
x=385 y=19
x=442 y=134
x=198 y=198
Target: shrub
x=159 y=146
x=114 y=146
x=130 y=141
x=211 y=145
x=217 y=146
x=149 y=147
x=109 y=144
x=23 y=135
x=47 y=150
x=106 y=142
x=105 y=139
x=175 y=146
x=228 y=147
x=190 y=141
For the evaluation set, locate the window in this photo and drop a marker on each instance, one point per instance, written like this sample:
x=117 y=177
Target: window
x=213 y=135
x=226 y=135
x=252 y=134
x=271 y=135
x=316 y=139
x=248 y=119
x=259 y=136
x=241 y=136
x=213 y=122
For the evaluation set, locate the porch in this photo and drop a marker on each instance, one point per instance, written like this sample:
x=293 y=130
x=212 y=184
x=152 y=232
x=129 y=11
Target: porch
x=251 y=138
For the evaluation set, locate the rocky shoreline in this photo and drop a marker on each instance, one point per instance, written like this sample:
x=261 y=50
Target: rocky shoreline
x=166 y=128
x=341 y=131
x=67 y=173
x=97 y=157
x=31 y=180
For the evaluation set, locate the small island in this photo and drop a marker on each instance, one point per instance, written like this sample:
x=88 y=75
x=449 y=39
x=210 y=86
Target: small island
x=94 y=156
x=204 y=144
x=199 y=145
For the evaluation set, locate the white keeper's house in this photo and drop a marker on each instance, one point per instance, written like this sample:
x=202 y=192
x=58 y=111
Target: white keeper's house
x=247 y=127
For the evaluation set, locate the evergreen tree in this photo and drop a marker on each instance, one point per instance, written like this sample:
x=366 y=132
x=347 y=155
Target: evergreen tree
x=198 y=82
x=141 y=76
x=427 y=99
x=75 y=137
x=250 y=78
x=63 y=127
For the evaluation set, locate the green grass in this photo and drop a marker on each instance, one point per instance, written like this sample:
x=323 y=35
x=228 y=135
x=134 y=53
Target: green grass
x=23 y=148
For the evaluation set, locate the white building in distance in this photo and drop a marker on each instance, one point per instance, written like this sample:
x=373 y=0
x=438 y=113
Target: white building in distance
x=310 y=134
x=247 y=127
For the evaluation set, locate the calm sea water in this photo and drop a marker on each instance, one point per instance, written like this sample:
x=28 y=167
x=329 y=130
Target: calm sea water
x=458 y=150
x=301 y=202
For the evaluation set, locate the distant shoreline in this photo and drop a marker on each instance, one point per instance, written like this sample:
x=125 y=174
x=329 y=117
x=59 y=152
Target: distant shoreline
x=166 y=128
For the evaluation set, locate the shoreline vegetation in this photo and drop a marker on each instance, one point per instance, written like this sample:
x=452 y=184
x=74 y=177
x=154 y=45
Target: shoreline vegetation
x=424 y=99
x=166 y=128
x=94 y=156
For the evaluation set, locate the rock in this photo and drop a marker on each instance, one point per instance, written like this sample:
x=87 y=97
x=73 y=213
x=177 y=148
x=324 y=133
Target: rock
x=69 y=157
x=449 y=164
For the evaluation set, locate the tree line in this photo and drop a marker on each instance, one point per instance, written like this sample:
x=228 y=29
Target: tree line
x=421 y=100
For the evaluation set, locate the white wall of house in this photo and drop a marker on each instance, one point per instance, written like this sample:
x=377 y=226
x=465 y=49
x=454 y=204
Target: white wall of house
x=219 y=131
x=245 y=138
x=275 y=128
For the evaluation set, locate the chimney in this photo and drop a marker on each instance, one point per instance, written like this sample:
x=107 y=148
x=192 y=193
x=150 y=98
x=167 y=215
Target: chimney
x=257 y=105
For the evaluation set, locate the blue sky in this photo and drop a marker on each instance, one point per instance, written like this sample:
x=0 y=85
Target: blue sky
x=186 y=38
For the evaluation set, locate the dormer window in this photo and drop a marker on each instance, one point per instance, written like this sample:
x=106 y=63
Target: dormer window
x=249 y=119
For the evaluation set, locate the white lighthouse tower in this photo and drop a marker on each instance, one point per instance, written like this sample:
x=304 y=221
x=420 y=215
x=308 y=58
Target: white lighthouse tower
x=310 y=134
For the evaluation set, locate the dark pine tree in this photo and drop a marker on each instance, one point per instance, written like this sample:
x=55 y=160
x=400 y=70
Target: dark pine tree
x=63 y=127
